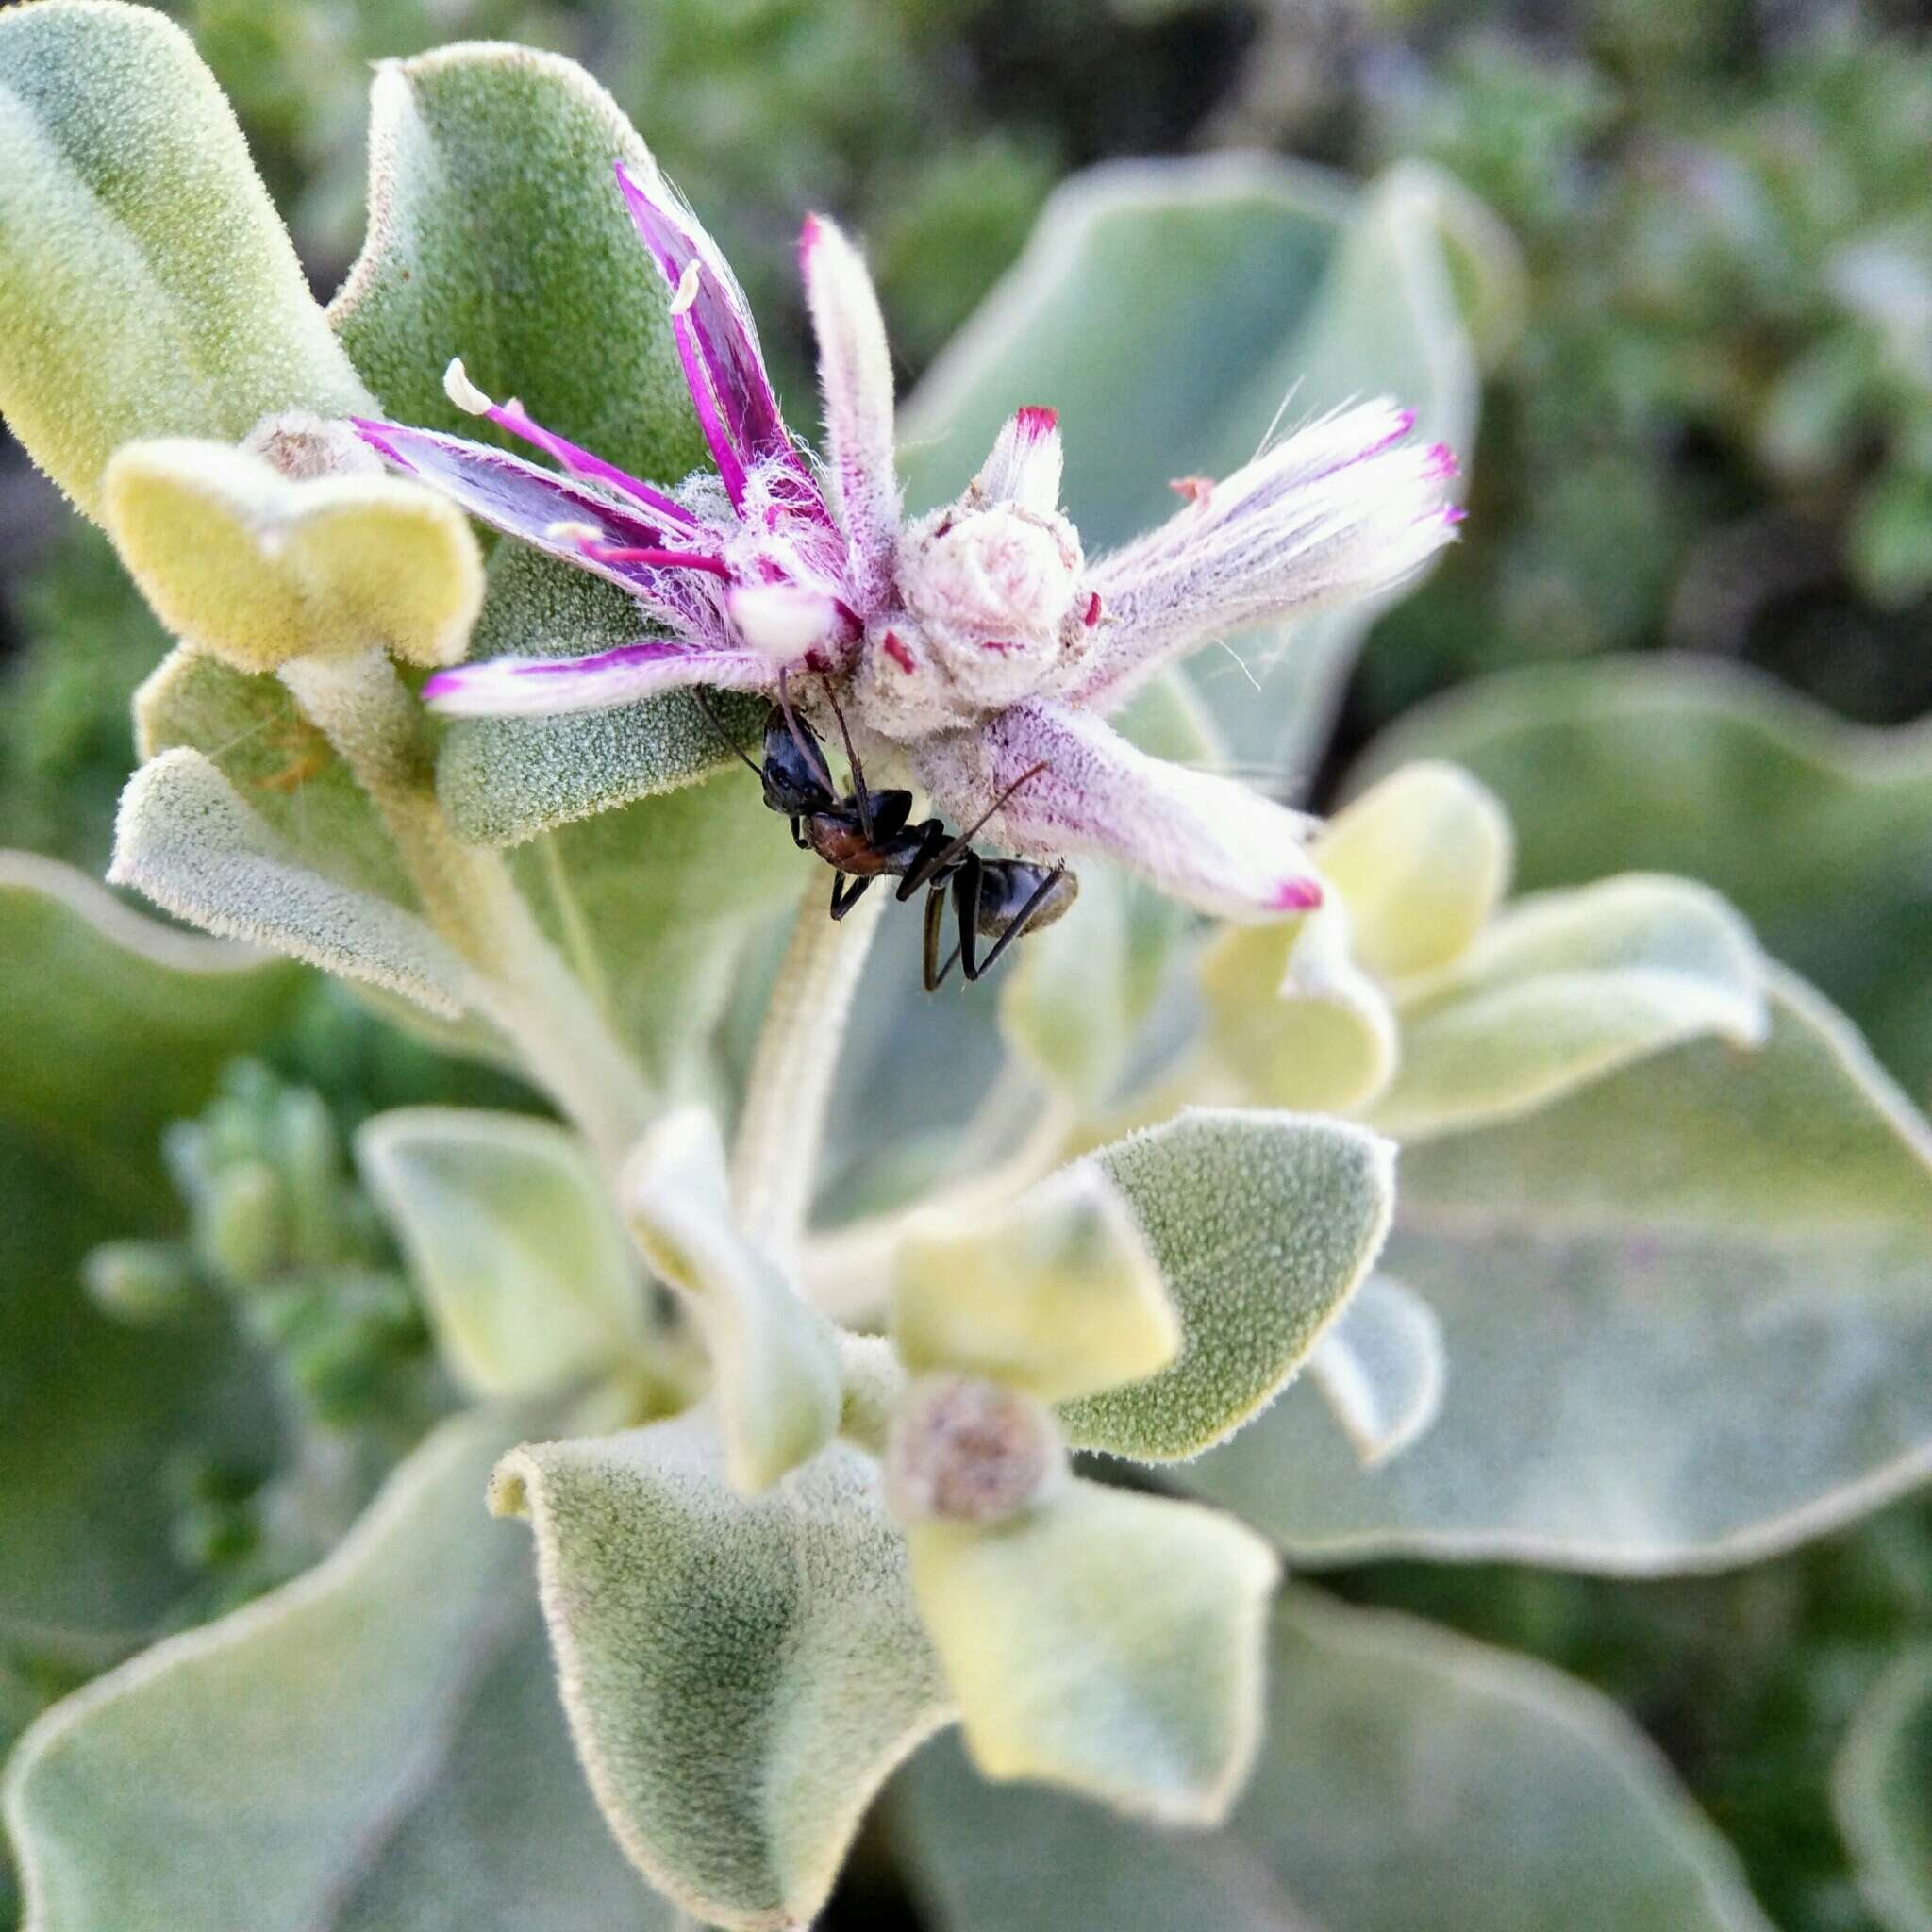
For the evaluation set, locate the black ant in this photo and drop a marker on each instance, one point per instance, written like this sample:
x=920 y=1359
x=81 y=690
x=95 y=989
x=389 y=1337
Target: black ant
x=866 y=835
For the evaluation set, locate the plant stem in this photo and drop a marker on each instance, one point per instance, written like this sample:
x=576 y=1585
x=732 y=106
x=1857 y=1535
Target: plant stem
x=366 y=713
x=776 y=1161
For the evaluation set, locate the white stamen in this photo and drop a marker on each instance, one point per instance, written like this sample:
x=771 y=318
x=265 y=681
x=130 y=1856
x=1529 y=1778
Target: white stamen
x=464 y=393
x=779 y=621
x=686 y=289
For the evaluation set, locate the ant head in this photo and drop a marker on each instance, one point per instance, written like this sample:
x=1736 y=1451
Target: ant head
x=794 y=770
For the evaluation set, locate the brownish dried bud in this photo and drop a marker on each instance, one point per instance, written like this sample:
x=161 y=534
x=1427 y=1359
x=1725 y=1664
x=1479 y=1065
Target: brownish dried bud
x=964 y=1450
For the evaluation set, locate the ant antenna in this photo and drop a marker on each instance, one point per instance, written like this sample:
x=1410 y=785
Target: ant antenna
x=808 y=745
x=724 y=738
x=860 y=795
x=979 y=824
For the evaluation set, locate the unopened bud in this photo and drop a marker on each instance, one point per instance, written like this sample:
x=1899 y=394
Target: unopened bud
x=964 y=1450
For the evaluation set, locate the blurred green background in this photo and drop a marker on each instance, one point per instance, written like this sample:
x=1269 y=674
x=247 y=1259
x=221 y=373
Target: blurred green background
x=1710 y=432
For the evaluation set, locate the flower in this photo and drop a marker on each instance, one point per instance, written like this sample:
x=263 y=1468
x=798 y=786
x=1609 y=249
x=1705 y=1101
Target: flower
x=970 y=644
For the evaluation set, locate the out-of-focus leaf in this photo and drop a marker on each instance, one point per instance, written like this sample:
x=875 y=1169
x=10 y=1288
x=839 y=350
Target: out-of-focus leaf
x=189 y=842
x=1687 y=1318
x=1566 y=987
x=741 y=1676
x=1407 y=1778
x=257 y=567
x=1382 y=1368
x=1881 y=1793
x=1105 y=1641
x=375 y=1747
x=1055 y=1293
x=1171 y=311
x=1263 y=1226
x=775 y=1357
x=513 y=1242
x=1817 y=831
x=146 y=285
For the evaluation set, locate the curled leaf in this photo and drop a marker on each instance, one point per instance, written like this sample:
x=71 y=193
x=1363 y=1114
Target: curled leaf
x=188 y=839
x=257 y=568
x=1382 y=1367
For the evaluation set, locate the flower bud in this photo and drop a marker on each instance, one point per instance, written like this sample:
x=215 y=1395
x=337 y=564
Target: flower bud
x=964 y=1450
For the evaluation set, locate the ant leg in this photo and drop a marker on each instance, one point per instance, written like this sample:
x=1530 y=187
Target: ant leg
x=846 y=893
x=724 y=738
x=798 y=837
x=973 y=968
x=808 y=745
x=935 y=913
x=979 y=824
x=860 y=796
x=927 y=861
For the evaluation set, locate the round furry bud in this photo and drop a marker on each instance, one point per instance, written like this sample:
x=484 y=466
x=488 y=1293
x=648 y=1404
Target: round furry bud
x=964 y=1450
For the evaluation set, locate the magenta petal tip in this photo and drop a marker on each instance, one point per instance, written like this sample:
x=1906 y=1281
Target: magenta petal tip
x=1297 y=895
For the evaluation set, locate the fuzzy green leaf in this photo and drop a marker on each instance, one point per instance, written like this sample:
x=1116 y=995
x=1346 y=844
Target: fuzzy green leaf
x=1817 y=831
x=1565 y=988
x=1105 y=1641
x=1381 y=1368
x=741 y=1676
x=775 y=1358
x=1686 y=1312
x=1055 y=1293
x=187 y=838
x=1881 y=1793
x=1283 y=283
x=374 y=1748
x=1263 y=1226
x=146 y=285
x=1407 y=1778
x=513 y=1242
x=257 y=568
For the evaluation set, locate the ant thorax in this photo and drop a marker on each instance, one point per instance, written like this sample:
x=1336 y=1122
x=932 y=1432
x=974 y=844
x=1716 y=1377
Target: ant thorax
x=990 y=611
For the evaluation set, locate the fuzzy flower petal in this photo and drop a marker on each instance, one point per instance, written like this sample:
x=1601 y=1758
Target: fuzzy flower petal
x=542 y=687
x=855 y=372
x=1025 y=463
x=1343 y=509
x=562 y=517
x=1208 y=841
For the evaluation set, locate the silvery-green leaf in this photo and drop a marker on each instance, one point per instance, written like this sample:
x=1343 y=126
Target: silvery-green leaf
x=1408 y=1779
x=514 y=1240
x=374 y=1748
x=1881 y=1794
x=1263 y=1226
x=257 y=567
x=1423 y=862
x=1381 y=1368
x=1055 y=1292
x=146 y=286
x=1817 y=831
x=1687 y=1313
x=775 y=1358
x=188 y=839
x=740 y=1674
x=1566 y=987
x=497 y=233
x=1292 y=1018
x=116 y=1023
x=1105 y=1641
x=1289 y=289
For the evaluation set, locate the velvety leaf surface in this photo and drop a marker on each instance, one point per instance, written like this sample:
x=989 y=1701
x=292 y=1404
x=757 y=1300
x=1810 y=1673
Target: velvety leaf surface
x=188 y=840
x=740 y=1674
x=1407 y=1778
x=1687 y=1313
x=1820 y=832
x=238 y=560
x=147 y=287
x=1881 y=1793
x=1565 y=988
x=1381 y=1368
x=511 y=1240
x=376 y=1745
x=1263 y=1226
x=1105 y=1641
x=1168 y=310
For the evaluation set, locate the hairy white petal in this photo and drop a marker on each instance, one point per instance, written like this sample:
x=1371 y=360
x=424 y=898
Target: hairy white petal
x=1025 y=464
x=1208 y=841
x=781 y=622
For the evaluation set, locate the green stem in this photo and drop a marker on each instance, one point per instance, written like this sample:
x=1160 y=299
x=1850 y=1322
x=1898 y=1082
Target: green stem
x=367 y=714
x=774 y=1162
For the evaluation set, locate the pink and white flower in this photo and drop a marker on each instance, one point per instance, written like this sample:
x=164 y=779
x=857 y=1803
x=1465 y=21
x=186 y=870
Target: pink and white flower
x=971 y=643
